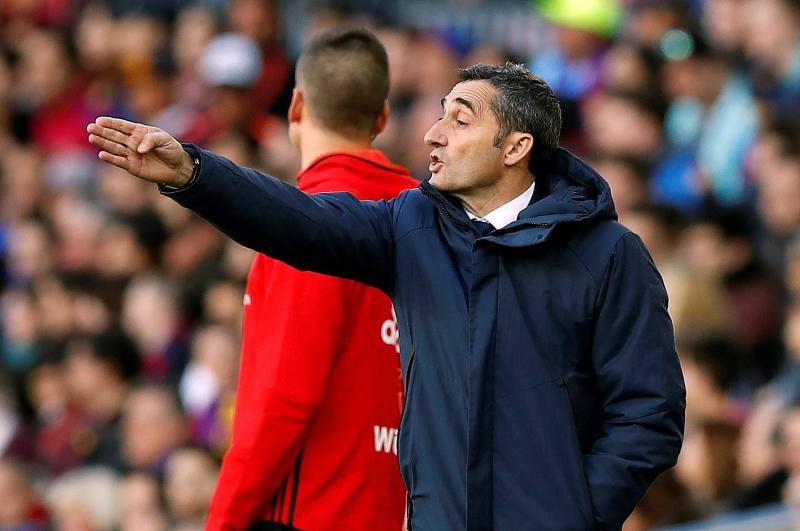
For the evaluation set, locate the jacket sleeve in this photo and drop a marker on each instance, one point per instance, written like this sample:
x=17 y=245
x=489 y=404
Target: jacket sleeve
x=640 y=381
x=331 y=233
x=282 y=380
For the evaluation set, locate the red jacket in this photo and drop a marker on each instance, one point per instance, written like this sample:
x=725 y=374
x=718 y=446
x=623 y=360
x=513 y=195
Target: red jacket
x=320 y=390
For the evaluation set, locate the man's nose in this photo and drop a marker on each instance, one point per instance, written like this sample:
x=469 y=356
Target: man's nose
x=434 y=136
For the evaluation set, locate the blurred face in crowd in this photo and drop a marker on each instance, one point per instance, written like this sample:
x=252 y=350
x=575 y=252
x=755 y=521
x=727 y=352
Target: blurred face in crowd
x=723 y=22
x=189 y=484
x=140 y=508
x=152 y=426
x=465 y=159
x=15 y=497
x=771 y=31
x=790 y=438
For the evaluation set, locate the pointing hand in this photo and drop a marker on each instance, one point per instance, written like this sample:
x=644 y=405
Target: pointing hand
x=144 y=151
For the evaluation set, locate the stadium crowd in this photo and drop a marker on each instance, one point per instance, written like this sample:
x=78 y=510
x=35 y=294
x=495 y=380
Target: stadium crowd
x=120 y=311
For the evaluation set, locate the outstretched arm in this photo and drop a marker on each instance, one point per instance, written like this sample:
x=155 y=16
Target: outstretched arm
x=334 y=233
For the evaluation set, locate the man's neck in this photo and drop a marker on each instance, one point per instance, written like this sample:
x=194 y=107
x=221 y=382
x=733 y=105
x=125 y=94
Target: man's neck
x=316 y=142
x=484 y=200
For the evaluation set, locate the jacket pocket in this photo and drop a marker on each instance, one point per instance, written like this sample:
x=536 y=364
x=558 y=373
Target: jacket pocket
x=537 y=463
x=577 y=445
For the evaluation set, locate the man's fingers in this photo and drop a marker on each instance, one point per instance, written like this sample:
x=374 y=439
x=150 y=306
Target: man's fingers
x=116 y=123
x=107 y=145
x=151 y=140
x=110 y=134
x=120 y=162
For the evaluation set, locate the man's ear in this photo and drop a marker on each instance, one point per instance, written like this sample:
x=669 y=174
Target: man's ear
x=383 y=118
x=295 y=113
x=517 y=147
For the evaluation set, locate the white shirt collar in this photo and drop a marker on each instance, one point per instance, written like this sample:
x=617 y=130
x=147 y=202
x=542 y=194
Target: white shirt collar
x=508 y=212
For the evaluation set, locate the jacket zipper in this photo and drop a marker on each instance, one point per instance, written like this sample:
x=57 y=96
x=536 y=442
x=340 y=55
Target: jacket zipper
x=447 y=213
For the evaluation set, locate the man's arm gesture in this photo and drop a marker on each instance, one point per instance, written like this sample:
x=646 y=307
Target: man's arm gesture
x=144 y=151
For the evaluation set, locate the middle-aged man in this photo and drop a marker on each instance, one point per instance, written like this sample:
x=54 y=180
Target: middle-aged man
x=543 y=387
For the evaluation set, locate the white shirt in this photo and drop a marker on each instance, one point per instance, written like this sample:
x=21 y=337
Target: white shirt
x=508 y=212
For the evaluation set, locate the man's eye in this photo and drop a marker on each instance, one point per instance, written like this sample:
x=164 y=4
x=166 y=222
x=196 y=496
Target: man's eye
x=461 y=122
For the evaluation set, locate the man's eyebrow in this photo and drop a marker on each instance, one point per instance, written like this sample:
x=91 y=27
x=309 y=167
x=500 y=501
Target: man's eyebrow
x=466 y=103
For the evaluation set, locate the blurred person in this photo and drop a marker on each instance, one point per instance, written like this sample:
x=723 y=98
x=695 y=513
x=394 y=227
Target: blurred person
x=120 y=253
x=710 y=366
x=467 y=292
x=437 y=72
x=629 y=68
x=208 y=384
x=697 y=303
x=21 y=508
x=724 y=24
x=153 y=426
x=572 y=61
x=150 y=315
x=666 y=502
x=190 y=248
x=623 y=124
x=711 y=123
x=260 y=21
x=63 y=436
x=772 y=42
x=647 y=21
x=54 y=313
x=22 y=187
x=77 y=224
x=29 y=252
x=707 y=464
x=140 y=503
x=20 y=331
x=779 y=210
x=761 y=474
x=48 y=93
x=97 y=371
x=790 y=452
x=627 y=178
x=189 y=480
x=344 y=378
x=222 y=303
x=720 y=247
x=84 y=499
x=231 y=107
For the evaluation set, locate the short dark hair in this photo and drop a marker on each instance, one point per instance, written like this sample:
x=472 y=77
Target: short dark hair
x=344 y=74
x=524 y=103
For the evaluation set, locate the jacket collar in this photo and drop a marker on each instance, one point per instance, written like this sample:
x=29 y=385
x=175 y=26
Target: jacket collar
x=570 y=192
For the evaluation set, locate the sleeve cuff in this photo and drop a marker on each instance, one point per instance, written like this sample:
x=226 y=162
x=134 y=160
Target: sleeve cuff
x=195 y=154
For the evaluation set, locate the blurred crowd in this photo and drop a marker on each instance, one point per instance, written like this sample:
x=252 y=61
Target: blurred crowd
x=120 y=311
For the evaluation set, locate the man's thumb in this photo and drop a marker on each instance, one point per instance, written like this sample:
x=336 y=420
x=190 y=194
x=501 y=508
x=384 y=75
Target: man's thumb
x=151 y=140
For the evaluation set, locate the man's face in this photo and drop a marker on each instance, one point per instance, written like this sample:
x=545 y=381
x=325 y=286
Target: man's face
x=464 y=157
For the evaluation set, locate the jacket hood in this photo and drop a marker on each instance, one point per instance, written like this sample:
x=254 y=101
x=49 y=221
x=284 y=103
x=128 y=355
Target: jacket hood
x=569 y=192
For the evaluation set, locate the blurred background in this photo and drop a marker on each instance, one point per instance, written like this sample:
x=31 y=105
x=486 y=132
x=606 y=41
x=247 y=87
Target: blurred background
x=120 y=311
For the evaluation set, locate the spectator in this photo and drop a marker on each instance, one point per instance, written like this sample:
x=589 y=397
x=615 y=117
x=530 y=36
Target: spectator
x=153 y=426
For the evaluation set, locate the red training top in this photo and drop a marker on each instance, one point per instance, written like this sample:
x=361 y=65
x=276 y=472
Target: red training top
x=319 y=395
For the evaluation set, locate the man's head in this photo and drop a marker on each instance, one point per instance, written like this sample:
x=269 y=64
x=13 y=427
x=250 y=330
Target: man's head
x=342 y=86
x=497 y=121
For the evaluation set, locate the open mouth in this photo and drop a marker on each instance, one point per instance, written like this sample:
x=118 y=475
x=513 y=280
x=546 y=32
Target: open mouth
x=436 y=163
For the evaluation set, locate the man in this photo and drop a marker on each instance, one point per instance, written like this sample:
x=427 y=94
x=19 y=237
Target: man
x=317 y=399
x=320 y=392
x=543 y=387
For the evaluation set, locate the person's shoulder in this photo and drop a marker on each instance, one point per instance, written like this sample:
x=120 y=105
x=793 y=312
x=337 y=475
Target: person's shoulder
x=595 y=243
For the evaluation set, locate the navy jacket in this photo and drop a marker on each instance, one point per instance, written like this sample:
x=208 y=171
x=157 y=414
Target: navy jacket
x=543 y=387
